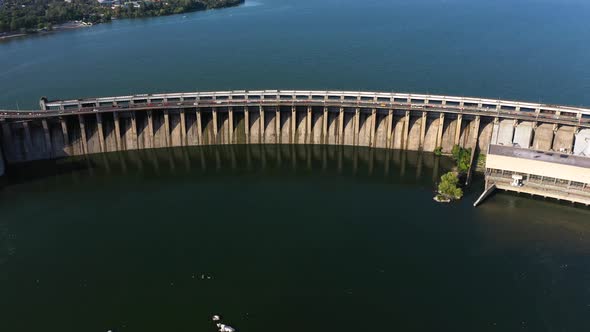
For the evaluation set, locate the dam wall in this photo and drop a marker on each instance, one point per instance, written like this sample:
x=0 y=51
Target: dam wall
x=74 y=135
x=388 y=121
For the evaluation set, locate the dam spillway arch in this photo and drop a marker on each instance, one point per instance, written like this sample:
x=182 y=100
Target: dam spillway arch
x=373 y=119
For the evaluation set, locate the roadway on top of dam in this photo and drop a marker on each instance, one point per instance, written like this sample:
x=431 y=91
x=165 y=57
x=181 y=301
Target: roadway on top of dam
x=342 y=99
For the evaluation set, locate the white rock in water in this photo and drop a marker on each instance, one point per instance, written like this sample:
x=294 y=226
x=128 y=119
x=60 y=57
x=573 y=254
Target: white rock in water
x=226 y=328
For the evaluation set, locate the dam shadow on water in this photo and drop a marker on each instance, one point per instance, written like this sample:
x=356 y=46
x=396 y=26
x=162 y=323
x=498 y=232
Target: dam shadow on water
x=395 y=165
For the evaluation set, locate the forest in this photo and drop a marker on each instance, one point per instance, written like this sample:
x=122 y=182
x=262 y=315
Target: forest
x=36 y=15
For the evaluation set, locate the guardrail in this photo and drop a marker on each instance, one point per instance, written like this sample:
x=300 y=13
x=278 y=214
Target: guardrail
x=327 y=95
x=220 y=100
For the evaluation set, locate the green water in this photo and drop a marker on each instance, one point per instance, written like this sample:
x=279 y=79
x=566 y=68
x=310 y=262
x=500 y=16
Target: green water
x=302 y=238
x=293 y=239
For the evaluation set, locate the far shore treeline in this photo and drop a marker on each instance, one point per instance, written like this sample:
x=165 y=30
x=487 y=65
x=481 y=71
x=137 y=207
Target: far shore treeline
x=25 y=16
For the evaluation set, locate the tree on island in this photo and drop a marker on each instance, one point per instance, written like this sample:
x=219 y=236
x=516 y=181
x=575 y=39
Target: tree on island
x=448 y=186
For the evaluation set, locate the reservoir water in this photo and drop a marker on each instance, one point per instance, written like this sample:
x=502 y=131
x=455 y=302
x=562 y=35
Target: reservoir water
x=534 y=50
x=297 y=237
x=293 y=238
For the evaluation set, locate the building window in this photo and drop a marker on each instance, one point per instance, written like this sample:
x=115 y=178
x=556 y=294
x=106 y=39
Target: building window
x=535 y=178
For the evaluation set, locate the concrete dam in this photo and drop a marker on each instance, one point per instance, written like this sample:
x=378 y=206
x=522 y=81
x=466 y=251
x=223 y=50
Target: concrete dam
x=399 y=121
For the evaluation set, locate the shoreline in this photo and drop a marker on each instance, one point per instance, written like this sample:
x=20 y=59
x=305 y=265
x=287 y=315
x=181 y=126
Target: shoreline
x=10 y=36
x=72 y=25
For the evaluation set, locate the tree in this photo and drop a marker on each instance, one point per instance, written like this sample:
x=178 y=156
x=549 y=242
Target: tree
x=438 y=151
x=32 y=15
x=448 y=186
x=462 y=158
x=13 y=25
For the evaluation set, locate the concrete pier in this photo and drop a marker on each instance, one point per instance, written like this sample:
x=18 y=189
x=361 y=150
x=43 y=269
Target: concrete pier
x=117 y=132
x=47 y=136
x=486 y=193
x=67 y=150
x=100 y=133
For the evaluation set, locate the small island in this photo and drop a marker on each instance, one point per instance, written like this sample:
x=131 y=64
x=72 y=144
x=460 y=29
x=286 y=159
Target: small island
x=448 y=187
x=21 y=17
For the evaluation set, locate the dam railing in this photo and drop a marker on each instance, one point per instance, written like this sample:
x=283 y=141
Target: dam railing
x=346 y=99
